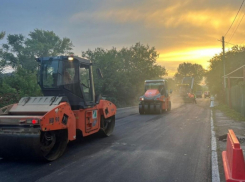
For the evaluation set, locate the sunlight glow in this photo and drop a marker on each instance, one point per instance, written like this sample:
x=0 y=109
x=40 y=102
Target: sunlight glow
x=195 y=55
x=189 y=54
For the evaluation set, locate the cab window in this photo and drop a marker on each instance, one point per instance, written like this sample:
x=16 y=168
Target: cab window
x=85 y=82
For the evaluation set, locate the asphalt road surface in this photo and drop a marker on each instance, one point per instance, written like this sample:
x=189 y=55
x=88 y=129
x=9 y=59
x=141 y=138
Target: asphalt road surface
x=171 y=147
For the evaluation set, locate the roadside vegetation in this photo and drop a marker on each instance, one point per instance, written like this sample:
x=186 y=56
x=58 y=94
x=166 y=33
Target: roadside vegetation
x=234 y=58
x=124 y=70
x=233 y=94
x=230 y=112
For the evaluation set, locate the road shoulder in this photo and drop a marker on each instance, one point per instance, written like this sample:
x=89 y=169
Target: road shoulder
x=221 y=126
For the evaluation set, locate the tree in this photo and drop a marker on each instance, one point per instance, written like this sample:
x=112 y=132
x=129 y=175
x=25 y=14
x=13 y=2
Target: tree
x=214 y=75
x=18 y=84
x=47 y=43
x=124 y=71
x=189 y=70
x=22 y=51
x=234 y=59
x=2 y=34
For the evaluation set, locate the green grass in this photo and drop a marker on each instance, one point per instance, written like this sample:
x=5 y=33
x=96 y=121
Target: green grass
x=230 y=112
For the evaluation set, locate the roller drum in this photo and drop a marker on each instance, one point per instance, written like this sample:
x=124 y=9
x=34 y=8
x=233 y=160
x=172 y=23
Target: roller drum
x=152 y=109
x=146 y=108
x=20 y=145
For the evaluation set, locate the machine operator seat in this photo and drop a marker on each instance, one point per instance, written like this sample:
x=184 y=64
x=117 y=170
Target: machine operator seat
x=67 y=78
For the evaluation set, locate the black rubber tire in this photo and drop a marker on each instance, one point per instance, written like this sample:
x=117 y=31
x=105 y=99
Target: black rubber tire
x=107 y=125
x=53 y=144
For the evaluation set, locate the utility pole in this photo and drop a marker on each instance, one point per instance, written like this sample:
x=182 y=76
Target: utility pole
x=223 y=57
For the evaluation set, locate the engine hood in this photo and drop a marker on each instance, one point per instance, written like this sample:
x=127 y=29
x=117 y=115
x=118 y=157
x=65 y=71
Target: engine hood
x=152 y=93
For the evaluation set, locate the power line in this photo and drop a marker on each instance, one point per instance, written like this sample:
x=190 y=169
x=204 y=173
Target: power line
x=237 y=27
x=233 y=28
x=234 y=18
x=235 y=24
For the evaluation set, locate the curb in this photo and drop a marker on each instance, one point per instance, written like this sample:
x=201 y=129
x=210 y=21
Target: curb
x=214 y=156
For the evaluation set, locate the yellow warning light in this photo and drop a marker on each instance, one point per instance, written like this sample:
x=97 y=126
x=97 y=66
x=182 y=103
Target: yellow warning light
x=70 y=58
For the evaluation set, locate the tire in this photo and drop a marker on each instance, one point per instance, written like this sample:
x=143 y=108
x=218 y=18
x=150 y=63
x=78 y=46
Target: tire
x=53 y=144
x=107 y=126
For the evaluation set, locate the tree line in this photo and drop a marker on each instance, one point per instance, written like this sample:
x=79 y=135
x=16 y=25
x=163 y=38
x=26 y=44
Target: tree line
x=124 y=70
x=234 y=58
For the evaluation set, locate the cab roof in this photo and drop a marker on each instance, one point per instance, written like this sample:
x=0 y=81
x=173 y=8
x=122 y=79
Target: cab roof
x=153 y=81
x=81 y=60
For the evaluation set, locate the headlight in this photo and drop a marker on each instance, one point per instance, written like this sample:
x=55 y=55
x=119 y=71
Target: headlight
x=141 y=98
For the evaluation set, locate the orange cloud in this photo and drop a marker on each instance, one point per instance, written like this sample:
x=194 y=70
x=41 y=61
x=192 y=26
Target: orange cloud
x=159 y=15
x=183 y=31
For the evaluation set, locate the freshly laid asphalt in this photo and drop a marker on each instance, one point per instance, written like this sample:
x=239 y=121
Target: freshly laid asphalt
x=174 y=146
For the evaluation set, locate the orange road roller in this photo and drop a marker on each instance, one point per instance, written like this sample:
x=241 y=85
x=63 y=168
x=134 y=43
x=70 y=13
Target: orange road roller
x=42 y=126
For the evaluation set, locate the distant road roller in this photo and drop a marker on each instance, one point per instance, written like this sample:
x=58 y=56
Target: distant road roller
x=42 y=126
x=156 y=98
x=186 y=88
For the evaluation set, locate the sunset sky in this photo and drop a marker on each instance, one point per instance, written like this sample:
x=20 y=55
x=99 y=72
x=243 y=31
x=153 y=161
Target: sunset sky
x=181 y=31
